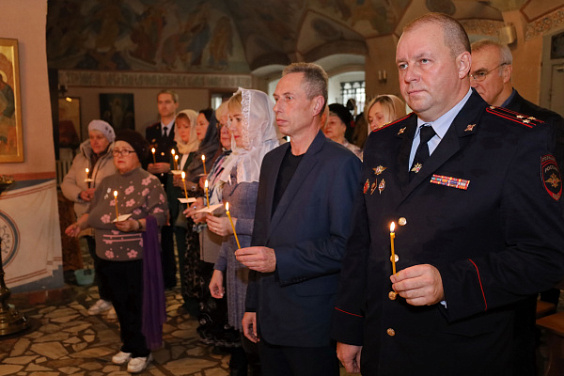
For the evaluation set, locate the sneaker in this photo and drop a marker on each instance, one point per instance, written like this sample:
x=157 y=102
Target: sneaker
x=137 y=365
x=112 y=315
x=121 y=358
x=100 y=306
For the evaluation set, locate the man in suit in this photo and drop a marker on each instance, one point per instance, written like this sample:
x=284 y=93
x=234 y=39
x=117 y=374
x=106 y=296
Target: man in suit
x=475 y=194
x=302 y=222
x=492 y=67
x=161 y=138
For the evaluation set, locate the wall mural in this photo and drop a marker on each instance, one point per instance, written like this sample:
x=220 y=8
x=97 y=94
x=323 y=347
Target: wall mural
x=143 y=35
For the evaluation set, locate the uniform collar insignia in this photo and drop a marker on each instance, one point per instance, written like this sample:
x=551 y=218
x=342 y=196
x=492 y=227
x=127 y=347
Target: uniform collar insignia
x=416 y=167
x=469 y=127
x=378 y=170
x=401 y=131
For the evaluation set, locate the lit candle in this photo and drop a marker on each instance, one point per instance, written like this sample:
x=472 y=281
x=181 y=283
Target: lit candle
x=87 y=177
x=153 y=151
x=233 y=227
x=392 y=237
x=116 y=202
x=172 y=152
x=204 y=162
x=207 y=197
x=184 y=183
x=176 y=162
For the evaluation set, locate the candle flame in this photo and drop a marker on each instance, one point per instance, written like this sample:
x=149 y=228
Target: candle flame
x=206 y=183
x=87 y=170
x=183 y=175
x=176 y=157
x=115 y=194
x=226 y=206
x=392 y=227
x=153 y=150
x=203 y=158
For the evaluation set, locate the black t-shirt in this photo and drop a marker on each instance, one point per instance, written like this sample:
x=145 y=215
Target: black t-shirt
x=287 y=169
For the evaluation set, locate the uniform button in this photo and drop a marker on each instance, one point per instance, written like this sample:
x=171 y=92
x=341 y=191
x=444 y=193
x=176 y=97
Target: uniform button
x=162 y=153
x=391 y=332
x=392 y=295
x=402 y=221
x=396 y=257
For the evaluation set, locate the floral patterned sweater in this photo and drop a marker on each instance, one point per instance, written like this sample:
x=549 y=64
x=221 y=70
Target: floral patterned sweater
x=139 y=194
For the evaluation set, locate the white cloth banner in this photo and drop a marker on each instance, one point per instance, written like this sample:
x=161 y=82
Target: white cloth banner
x=29 y=228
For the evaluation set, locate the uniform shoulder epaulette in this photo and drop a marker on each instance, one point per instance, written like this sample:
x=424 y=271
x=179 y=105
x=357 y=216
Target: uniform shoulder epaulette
x=392 y=123
x=526 y=120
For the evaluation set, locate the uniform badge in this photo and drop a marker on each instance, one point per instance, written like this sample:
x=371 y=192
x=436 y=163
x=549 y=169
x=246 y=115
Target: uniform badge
x=378 y=170
x=401 y=131
x=416 y=167
x=449 y=181
x=551 y=177
x=373 y=186
x=381 y=186
x=366 y=187
x=469 y=127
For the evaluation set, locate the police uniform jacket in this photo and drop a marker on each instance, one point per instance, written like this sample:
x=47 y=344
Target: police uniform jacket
x=163 y=146
x=484 y=210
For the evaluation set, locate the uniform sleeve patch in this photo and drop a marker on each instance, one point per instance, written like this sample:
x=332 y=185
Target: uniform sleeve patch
x=551 y=177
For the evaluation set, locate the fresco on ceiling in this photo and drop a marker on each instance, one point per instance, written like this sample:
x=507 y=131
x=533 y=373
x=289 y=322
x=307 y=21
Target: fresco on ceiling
x=143 y=35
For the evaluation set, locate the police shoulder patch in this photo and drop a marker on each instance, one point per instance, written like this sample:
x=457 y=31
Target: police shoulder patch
x=526 y=120
x=551 y=177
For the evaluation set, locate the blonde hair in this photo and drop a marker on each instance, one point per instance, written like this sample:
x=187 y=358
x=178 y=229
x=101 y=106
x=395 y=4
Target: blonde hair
x=392 y=105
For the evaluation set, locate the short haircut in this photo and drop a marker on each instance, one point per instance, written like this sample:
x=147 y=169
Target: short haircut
x=390 y=103
x=315 y=79
x=172 y=93
x=504 y=51
x=455 y=36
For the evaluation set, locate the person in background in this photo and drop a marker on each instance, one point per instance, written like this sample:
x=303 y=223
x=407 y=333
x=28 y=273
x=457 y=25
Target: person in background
x=187 y=144
x=208 y=136
x=129 y=249
x=90 y=166
x=302 y=222
x=338 y=121
x=254 y=134
x=161 y=137
x=476 y=226
x=382 y=110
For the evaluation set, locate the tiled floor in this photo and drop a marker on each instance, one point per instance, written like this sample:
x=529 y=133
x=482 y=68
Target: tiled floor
x=65 y=340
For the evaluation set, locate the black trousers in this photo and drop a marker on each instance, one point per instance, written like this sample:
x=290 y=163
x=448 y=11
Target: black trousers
x=126 y=294
x=297 y=361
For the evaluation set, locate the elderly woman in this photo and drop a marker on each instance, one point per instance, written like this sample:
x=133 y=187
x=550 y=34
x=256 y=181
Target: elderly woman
x=92 y=164
x=254 y=134
x=338 y=121
x=137 y=290
x=382 y=110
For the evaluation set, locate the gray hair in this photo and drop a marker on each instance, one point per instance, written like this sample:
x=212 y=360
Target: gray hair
x=504 y=51
x=315 y=77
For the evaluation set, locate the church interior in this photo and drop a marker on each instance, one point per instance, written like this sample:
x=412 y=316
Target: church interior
x=71 y=61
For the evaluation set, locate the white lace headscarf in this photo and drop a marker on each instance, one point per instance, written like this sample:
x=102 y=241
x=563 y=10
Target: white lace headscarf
x=260 y=135
x=192 y=145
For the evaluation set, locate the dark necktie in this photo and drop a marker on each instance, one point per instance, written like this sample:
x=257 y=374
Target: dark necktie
x=165 y=131
x=426 y=132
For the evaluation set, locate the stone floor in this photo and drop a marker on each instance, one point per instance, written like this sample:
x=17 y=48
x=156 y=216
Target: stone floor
x=65 y=340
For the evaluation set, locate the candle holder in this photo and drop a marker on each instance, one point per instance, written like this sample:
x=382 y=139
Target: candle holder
x=11 y=321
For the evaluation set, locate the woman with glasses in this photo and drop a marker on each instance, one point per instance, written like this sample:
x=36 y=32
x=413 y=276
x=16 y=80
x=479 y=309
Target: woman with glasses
x=90 y=166
x=126 y=212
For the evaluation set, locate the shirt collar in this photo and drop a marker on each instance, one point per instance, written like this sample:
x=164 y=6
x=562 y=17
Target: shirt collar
x=442 y=124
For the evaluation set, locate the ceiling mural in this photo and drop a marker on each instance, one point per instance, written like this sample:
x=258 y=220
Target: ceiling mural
x=214 y=36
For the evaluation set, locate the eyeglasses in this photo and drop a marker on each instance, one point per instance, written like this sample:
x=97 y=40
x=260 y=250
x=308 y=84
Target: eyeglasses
x=481 y=75
x=122 y=153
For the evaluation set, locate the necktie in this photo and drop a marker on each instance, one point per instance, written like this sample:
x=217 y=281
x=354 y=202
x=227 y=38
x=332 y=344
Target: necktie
x=426 y=132
x=165 y=131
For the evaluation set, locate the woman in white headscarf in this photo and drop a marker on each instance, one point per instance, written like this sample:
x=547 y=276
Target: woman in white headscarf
x=254 y=133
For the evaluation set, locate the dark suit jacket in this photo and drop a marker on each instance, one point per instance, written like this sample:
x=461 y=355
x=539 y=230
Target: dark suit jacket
x=162 y=145
x=523 y=106
x=497 y=241
x=308 y=232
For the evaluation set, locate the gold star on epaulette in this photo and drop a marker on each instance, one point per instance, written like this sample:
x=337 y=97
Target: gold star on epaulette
x=520 y=116
x=469 y=127
x=401 y=131
x=532 y=118
x=526 y=121
x=492 y=107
